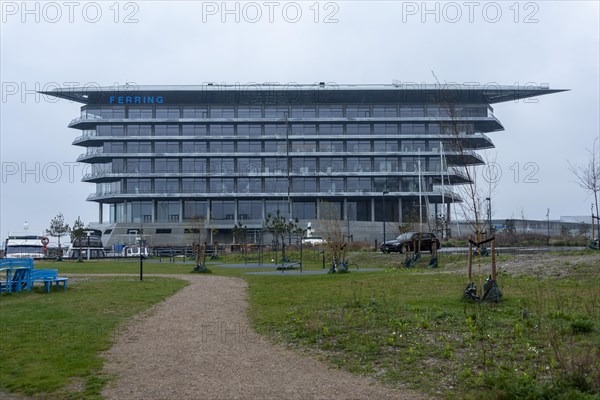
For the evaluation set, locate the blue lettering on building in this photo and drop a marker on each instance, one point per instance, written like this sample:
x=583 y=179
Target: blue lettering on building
x=136 y=100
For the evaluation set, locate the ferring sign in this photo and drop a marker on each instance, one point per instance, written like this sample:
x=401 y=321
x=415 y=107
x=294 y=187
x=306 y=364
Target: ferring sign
x=136 y=100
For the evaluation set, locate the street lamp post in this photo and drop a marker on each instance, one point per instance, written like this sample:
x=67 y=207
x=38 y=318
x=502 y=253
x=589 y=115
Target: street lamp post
x=489 y=200
x=141 y=245
x=548 y=227
x=383 y=212
x=88 y=245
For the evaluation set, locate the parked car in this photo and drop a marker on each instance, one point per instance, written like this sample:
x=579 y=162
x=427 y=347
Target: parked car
x=410 y=240
x=313 y=240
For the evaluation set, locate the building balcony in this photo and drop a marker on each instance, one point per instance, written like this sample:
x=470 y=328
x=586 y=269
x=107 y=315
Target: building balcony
x=464 y=157
x=119 y=196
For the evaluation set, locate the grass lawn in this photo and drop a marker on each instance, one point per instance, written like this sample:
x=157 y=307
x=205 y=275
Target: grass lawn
x=405 y=327
x=412 y=328
x=50 y=342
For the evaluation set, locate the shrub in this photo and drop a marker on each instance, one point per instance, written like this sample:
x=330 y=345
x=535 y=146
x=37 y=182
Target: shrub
x=582 y=326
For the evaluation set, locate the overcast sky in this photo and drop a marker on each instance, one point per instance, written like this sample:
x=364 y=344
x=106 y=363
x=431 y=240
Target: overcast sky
x=187 y=42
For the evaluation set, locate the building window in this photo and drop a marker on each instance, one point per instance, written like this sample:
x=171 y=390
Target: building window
x=331 y=185
x=195 y=112
x=358 y=129
x=173 y=185
x=331 y=129
x=222 y=210
x=221 y=130
x=192 y=208
x=361 y=185
x=145 y=165
x=331 y=111
x=221 y=147
x=303 y=129
x=197 y=165
x=275 y=130
x=249 y=166
x=249 y=185
x=221 y=185
x=276 y=166
x=304 y=166
x=249 y=130
x=305 y=210
x=139 y=211
x=386 y=183
x=358 y=111
x=193 y=185
x=385 y=146
x=331 y=146
x=276 y=185
x=222 y=112
x=385 y=111
x=249 y=112
x=304 y=146
x=137 y=186
x=304 y=185
x=222 y=165
x=385 y=129
x=276 y=207
x=304 y=112
x=329 y=165
x=167 y=211
x=359 y=164
x=359 y=210
x=249 y=146
x=275 y=146
x=276 y=111
x=250 y=210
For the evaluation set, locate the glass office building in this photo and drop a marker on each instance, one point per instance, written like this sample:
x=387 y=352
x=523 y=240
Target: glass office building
x=161 y=155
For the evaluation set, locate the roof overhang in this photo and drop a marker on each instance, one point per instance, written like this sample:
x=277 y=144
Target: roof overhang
x=270 y=93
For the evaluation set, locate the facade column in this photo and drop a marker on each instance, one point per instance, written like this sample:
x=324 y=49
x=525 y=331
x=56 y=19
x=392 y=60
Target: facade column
x=235 y=212
x=400 y=219
x=100 y=216
x=153 y=211
x=372 y=209
x=125 y=216
x=318 y=209
x=180 y=210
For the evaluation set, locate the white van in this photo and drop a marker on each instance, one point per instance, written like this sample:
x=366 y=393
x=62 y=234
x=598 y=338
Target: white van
x=134 y=251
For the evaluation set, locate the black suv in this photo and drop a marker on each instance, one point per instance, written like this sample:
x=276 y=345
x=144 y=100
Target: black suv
x=410 y=240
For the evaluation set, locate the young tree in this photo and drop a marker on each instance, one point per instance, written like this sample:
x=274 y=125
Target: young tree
x=78 y=233
x=280 y=227
x=199 y=236
x=58 y=228
x=587 y=176
x=333 y=232
x=473 y=193
x=240 y=237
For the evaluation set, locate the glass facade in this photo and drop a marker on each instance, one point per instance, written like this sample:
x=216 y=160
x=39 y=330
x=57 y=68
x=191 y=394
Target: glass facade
x=240 y=158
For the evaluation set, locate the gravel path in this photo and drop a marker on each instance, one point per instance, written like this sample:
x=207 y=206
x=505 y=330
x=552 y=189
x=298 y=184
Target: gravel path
x=198 y=345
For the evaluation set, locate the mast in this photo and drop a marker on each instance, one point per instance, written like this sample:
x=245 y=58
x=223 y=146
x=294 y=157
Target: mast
x=420 y=205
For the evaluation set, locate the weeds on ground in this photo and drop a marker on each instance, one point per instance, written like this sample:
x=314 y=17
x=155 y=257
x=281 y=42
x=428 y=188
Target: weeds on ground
x=410 y=328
